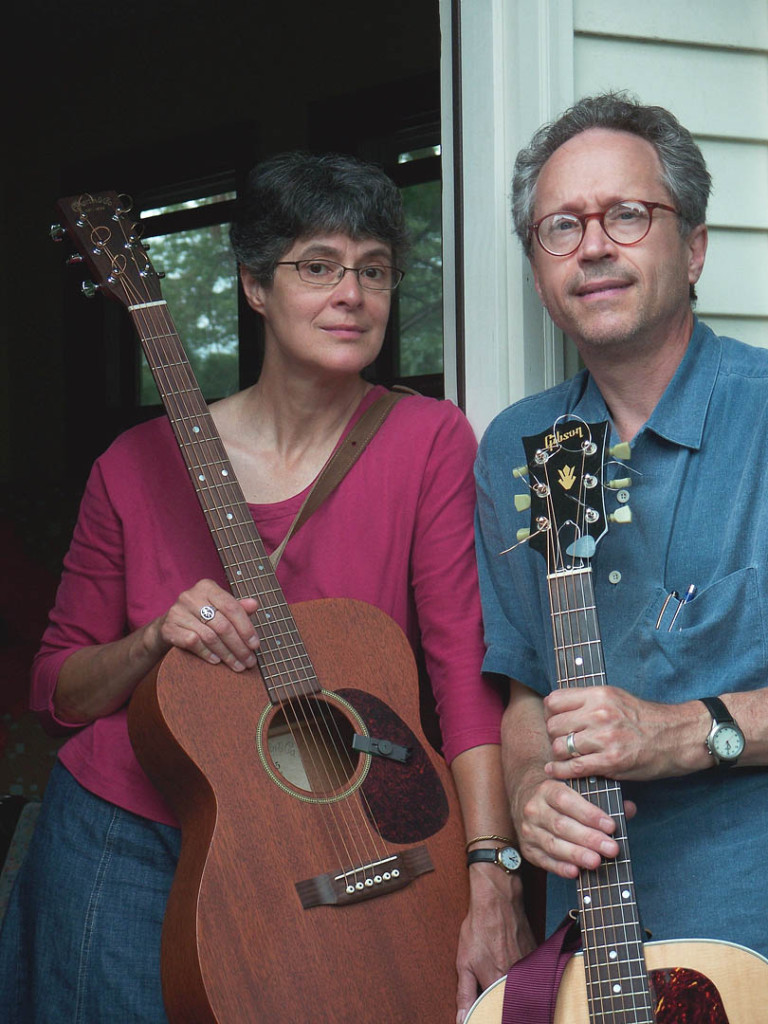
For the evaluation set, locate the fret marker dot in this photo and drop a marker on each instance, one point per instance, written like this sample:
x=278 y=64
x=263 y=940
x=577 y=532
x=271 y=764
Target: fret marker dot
x=224 y=472
x=230 y=516
x=625 y=894
x=617 y=989
x=260 y=568
x=587 y=900
x=239 y=572
x=579 y=661
x=613 y=954
x=195 y=430
x=201 y=478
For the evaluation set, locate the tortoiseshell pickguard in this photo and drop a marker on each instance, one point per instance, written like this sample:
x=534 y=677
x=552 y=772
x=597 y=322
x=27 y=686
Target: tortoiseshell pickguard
x=406 y=803
x=683 y=996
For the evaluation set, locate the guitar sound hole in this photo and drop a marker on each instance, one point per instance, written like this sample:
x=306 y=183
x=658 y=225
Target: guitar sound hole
x=310 y=745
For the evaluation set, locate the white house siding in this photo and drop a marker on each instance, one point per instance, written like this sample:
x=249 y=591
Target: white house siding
x=523 y=62
x=707 y=61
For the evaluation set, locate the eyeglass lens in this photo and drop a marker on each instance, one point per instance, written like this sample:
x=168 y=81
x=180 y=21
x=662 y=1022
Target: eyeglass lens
x=376 y=277
x=624 y=223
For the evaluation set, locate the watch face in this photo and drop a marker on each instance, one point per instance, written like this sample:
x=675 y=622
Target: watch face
x=727 y=742
x=509 y=858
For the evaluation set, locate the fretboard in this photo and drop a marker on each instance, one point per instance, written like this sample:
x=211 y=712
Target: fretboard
x=284 y=662
x=618 y=990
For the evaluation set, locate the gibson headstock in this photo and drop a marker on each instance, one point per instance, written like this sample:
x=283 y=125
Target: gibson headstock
x=565 y=474
x=108 y=240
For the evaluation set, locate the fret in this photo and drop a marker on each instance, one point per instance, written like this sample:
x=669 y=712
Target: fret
x=583 y=677
x=573 y=612
x=289 y=684
x=170 y=364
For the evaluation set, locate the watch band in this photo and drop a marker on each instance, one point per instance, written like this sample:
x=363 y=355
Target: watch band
x=717 y=709
x=485 y=856
x=494 y=856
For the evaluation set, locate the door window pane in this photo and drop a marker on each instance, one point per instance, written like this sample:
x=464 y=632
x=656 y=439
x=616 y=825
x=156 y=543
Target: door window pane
x=200 y=287
x=421 y=293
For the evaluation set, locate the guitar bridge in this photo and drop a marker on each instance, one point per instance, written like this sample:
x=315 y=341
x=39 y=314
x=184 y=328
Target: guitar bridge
x=365 y=882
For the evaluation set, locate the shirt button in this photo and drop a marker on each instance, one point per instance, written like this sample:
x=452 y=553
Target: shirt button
x=623 y=496
x=614 y=576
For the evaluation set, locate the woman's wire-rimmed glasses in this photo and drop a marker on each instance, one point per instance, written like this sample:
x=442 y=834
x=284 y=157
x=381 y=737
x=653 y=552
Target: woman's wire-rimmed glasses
x=626 y=223
x=376 y=277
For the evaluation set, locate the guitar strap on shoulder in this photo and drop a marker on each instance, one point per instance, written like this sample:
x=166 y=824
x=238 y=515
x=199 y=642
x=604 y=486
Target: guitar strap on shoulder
x=530 y=991
x=340 y=463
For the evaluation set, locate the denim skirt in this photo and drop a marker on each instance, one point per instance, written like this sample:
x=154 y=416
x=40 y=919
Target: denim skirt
x=80 y=942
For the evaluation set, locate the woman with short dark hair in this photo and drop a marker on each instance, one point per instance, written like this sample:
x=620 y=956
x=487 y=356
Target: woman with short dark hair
x=319 y=241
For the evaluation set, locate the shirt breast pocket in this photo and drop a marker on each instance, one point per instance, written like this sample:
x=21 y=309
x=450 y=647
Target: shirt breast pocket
x=714 y=643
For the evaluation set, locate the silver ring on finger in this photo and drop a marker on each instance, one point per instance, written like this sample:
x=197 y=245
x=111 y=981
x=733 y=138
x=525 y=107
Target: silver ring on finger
x=207 y=612
x=570 y=746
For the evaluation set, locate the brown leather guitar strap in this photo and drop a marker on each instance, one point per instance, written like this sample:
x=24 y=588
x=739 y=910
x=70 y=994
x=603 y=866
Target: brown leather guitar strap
x=342 y=460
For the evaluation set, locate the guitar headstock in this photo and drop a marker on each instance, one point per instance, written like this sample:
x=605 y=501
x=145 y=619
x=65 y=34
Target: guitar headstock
x=565 y=474
x=108 y=240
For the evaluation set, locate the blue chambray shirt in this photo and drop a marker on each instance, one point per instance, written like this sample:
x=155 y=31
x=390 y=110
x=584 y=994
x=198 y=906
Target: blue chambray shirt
x=699 y=500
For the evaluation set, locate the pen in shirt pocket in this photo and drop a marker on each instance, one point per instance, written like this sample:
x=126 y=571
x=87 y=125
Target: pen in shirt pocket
x=671 y=596
x=686 y=599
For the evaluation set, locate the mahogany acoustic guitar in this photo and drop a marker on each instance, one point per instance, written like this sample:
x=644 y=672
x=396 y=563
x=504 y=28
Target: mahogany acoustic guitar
x=322 y=872
x=617 y=978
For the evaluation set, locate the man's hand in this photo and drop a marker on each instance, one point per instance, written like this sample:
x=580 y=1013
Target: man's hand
x=618 y=736
x=562 y=832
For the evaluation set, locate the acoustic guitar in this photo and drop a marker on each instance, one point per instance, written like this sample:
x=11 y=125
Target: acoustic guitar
x=618 y=978
x=322 y=872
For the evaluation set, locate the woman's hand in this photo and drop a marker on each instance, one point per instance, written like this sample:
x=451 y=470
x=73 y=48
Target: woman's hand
x=212 y=624
x=206 y=620
x=494 y=935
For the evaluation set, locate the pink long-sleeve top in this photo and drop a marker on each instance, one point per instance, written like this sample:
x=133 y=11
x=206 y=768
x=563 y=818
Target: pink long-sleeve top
x=397 y=533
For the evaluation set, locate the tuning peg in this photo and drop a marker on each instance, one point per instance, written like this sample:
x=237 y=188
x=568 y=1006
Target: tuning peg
x=73 y=259
x=619 y=485
x=621 y=451
x=520 y=471
x=89 y=289
x=621 y=515
x=57 y=233
x=522 y=502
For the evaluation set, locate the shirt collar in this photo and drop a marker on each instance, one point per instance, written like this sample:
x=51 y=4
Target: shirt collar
x=681 y=411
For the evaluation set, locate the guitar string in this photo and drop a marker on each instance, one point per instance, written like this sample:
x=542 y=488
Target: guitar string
x=562 y=628
x=149 y=317
x=619 y=869
x=606 y=793
x=572 y=605
x=285 y=663
x=564 y=621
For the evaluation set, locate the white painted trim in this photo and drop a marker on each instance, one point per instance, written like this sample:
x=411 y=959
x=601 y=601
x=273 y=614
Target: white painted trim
x=450 y=368
x=517 y=72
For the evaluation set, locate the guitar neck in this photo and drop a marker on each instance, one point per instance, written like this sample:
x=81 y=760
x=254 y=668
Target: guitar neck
x=618 y=989
x=109 y=242
x=285 y=664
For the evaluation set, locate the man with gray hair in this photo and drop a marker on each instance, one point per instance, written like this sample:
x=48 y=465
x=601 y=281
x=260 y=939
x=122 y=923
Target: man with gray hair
x=609 y=202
